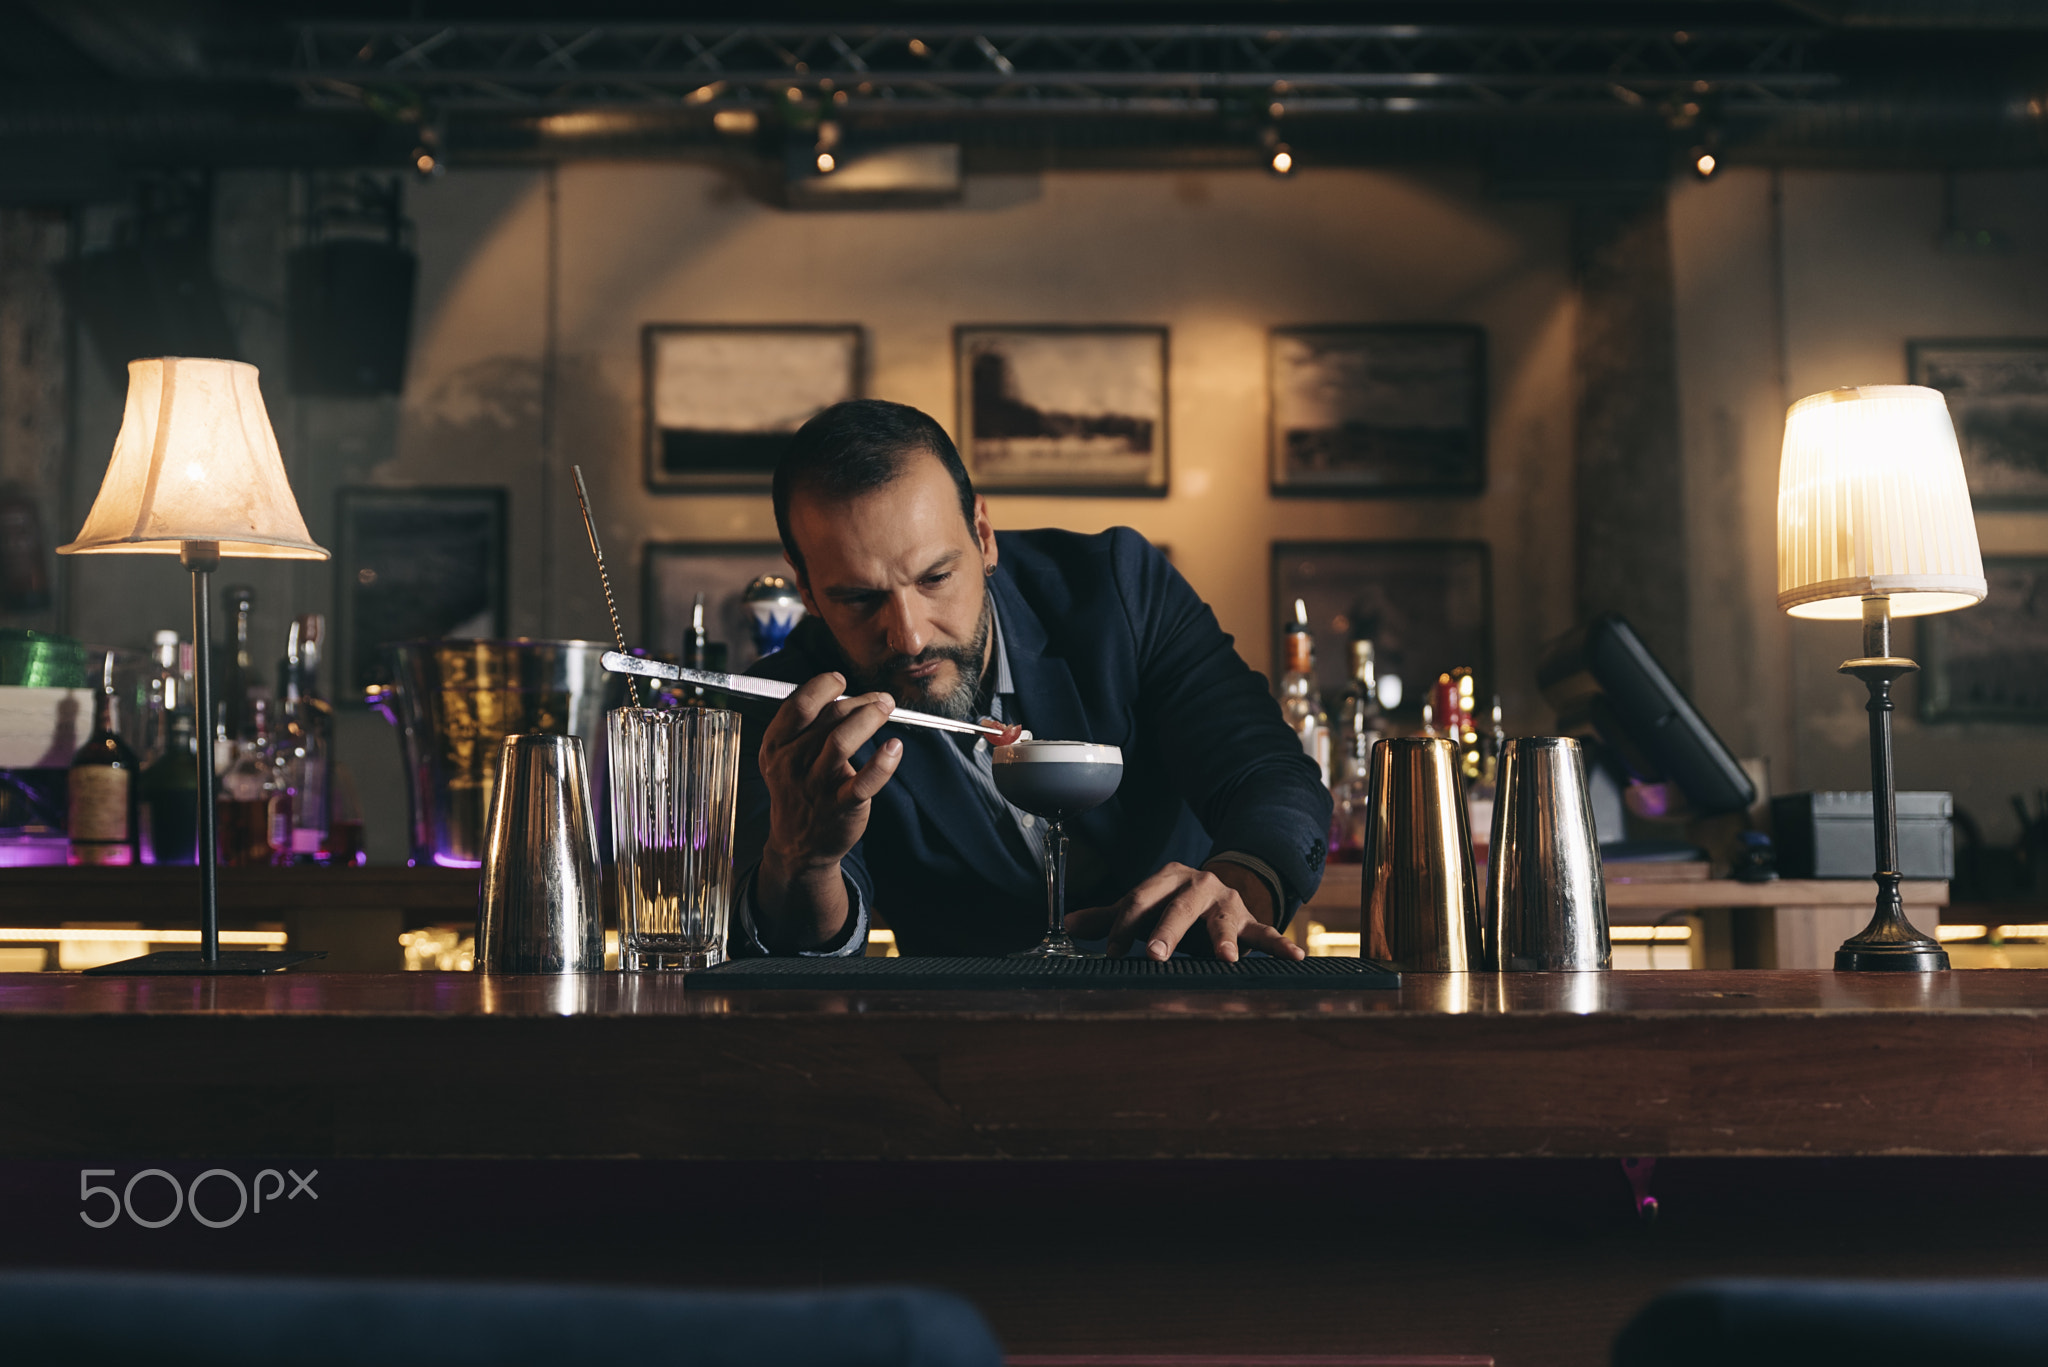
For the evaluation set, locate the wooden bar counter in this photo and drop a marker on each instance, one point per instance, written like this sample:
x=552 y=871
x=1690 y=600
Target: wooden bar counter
x=1454 y=1168
x=1455 y=1065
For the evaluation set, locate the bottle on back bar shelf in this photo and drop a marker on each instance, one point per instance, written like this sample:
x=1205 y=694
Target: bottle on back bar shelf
x=102 y=818
x=170 y=791
x=1362 y=728
x=1299 y=702
x=238 y=673
x=243 y=809
x=165 y=696
x=305 y=742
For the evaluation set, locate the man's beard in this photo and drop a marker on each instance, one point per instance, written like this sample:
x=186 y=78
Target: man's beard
x=959 y=702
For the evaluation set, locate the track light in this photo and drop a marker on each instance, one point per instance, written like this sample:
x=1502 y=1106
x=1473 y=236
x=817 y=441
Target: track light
x=1283 y=160
x=826 y=163
x=1704 y=163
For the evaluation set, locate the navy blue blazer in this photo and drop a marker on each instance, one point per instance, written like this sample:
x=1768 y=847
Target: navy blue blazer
x=1107 y=643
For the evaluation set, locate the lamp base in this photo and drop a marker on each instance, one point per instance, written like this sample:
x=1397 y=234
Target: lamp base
x=191 y=963
x=1890 y=959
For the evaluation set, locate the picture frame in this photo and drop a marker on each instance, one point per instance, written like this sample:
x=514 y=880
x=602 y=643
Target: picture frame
x=1426 y=605
x=1377 y=410
x=723 y=398
x=1997 y=392
x=1989 y=663
x=1057 y=409
x=676 y=571
x=411 y=564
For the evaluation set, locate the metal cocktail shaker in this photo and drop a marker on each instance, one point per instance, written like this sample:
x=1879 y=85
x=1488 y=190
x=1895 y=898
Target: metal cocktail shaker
x=1419 y=905
x=539 y=909
x=1548 y=905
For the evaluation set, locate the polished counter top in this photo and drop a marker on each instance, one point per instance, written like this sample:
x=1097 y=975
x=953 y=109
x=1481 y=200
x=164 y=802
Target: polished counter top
x=1632 y=994
x=608 y=1065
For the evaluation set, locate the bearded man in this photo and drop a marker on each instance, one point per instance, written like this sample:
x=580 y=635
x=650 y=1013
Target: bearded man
x=1216 y=834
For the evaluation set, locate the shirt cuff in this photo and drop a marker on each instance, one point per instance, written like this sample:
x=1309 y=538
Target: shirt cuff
x=1283 y=911
x=744 y=939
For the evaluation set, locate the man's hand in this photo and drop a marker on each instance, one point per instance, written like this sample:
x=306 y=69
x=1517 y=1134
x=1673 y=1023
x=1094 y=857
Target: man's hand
x=817 y=802
x=1172 y=902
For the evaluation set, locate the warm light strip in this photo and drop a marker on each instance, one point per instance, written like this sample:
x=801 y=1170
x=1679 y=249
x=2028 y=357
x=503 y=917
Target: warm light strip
x=78 y=934
x=881 y=937
x=1333 y=939
x=2027 y=932
x=1960 y=932
x=1621 y=934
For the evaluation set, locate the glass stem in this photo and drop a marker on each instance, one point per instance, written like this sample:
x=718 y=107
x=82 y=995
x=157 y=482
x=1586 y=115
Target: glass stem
x=1055 y=880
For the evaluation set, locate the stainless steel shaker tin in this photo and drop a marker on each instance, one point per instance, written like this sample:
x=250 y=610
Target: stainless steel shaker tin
x=1547 y=903
x=1419 y=900
x=540 y=908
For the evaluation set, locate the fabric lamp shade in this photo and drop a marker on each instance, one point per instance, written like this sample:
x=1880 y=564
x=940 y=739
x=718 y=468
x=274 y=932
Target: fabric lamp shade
x=1872 y=502
x=196 y=460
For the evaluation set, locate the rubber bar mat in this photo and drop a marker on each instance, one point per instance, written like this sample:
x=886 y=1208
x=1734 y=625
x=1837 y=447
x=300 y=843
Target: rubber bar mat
x=939 y=974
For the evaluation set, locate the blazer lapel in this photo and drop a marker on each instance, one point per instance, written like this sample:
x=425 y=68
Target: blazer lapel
x=939 y=788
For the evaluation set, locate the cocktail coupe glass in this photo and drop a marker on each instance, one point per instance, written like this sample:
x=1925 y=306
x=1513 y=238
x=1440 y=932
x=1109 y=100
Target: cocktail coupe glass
x=1056 y=779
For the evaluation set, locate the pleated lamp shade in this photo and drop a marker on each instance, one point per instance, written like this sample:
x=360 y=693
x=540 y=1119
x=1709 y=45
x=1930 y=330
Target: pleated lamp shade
x=1872 y=501
x=196 y=461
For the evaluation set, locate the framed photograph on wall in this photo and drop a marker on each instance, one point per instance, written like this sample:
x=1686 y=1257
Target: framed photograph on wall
x=1063 y=410
x=1397 y=409
x=1997 y=393
x=677 y=571
x=1427 y=607
x=412 y=564
x=1990 y=662
x=722 y=401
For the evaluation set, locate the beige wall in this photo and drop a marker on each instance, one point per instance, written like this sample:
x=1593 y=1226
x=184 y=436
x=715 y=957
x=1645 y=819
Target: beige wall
x=1217 y=257
x=1765 y=317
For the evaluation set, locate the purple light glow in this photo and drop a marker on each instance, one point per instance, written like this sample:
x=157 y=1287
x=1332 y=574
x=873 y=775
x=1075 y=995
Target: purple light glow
x=449 y=861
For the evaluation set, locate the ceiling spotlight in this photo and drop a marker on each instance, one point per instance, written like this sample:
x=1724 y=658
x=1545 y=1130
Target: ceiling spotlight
x=425 y=162
x=825 y=163
x=1283 y=161
x=1704 y=163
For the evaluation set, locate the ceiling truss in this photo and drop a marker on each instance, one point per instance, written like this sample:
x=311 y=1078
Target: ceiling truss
x=1134 y=70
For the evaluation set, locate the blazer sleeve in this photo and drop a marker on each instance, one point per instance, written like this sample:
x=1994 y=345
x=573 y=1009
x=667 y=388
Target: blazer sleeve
x=1218 y=731
x=750 y=838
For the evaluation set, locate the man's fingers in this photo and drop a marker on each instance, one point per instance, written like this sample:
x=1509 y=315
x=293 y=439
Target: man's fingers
x=1181 y=911
x=1090 y=922
x=801 y=708
x=852 y=731
x=874 y=775
x=1259 y=935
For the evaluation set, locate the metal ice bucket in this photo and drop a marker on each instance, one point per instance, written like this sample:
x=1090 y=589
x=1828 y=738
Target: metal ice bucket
x=454 y=702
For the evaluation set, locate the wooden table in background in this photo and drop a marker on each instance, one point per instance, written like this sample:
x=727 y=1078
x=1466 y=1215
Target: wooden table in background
x=1786 y=923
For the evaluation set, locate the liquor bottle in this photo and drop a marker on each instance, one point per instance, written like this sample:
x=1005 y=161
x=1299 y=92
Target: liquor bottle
x=1482 y=783
x=1359 y=709
x=170 y=791
x=243 y=808
x=102 y=818
x=164 y=698
x=1350 y=799
x=238 y=672
x=1299 y=702
x=305 y=742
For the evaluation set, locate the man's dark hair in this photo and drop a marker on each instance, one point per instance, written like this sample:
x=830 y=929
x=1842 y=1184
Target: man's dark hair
x=855 y=448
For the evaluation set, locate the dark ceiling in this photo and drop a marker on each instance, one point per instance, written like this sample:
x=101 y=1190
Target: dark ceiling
x=93 y=92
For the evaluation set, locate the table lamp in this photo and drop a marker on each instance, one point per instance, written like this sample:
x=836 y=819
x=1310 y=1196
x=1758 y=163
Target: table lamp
x=1874 y=522
x=196 y=473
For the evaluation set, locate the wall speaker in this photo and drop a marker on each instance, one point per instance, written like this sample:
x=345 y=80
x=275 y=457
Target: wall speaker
x=349 y=305
x=153 y=298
